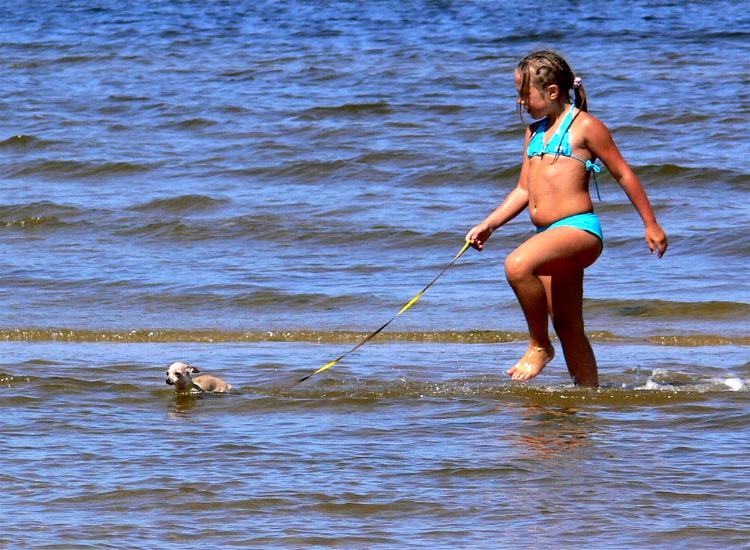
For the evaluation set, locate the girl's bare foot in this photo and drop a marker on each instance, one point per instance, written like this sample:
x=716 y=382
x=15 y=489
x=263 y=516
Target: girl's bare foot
x=532 y=363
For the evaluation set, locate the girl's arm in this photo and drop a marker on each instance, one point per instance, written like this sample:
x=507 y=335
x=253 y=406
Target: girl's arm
x=512 y=205
x=599 y=141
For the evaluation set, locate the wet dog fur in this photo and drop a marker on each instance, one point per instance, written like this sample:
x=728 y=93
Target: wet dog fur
x=179 y=376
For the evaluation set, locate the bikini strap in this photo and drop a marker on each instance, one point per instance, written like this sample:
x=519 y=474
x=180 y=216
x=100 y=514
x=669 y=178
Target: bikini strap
x=542 y=126
x=569 y=119
x=590 y=166
x=594 y=169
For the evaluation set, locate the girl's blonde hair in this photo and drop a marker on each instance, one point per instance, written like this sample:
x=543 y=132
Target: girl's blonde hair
x=543 y=68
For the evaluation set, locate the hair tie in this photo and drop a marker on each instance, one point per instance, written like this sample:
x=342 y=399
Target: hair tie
x=576 y=82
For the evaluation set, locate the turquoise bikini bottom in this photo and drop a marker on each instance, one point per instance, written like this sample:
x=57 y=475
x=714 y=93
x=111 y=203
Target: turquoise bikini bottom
x=588 y=222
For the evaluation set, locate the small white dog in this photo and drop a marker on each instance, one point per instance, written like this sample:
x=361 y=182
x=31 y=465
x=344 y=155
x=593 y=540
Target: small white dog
x=178 y=375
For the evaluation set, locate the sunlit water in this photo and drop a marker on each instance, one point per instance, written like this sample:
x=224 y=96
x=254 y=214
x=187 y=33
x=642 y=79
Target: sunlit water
x=254 y=187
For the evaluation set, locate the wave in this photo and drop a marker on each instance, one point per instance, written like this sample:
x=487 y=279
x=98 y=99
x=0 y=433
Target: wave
x=697 y=340
x=66 y=60
x=191 y=124
x=416 y=170
x=348 y=110
x=58 y=383
x=728 y=241
x=25 y=142
x=322 y=230
x=78 y=169
x=457 y=176
x=182 y=203
x=173 y=229
x=127 y=98
x=325 y=227
x=310 y=171
x=36 y=222
x=668 y=174
x=38 y=215
x=658 y=388
x=265 y=300
x=239 y=74
x=666 y=380
x=738 y=35
x=268 y=298
x=672 y=309
x=39 y=208
x=277 y=389
x=166 y=335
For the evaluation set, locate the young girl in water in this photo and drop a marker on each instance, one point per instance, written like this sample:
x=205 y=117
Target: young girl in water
x=546 y=271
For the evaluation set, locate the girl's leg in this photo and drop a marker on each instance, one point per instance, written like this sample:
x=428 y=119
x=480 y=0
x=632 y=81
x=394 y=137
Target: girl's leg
x=562 y=252
x=533 y=297
x=566 y=308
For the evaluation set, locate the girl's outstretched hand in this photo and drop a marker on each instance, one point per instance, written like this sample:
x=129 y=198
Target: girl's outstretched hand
x=656 y=239
x=478 y=235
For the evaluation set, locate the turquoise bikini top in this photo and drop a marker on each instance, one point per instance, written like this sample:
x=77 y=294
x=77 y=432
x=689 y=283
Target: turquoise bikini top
x=559 y=144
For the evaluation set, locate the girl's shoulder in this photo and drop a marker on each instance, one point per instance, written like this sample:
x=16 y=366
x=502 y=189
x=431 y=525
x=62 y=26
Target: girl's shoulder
x=587 y=120
x=590 y=125
x=592 y=132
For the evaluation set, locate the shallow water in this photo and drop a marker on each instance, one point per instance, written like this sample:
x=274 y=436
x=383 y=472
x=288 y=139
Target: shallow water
x=424 y=444
x=253 y=188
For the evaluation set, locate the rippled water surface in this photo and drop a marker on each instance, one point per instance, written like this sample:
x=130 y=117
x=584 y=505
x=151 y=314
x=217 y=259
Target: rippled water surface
x=254 y=187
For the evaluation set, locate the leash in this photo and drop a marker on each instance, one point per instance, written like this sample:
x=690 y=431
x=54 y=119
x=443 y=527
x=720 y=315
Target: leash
x=379 y=330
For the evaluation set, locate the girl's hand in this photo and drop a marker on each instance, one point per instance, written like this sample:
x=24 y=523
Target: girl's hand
x=656 y=239
x=478 y=235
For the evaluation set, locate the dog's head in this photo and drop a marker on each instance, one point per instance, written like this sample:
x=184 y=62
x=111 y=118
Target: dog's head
x=178 y=375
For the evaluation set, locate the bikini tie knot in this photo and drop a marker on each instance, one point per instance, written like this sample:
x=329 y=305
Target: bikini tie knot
x=593 y=167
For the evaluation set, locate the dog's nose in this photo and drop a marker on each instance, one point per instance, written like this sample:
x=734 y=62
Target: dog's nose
x=169 y=382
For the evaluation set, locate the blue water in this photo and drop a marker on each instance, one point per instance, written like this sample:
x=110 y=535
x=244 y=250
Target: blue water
x=254 y=187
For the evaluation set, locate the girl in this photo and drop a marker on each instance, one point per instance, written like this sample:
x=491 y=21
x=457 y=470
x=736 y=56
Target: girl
x=546 y=271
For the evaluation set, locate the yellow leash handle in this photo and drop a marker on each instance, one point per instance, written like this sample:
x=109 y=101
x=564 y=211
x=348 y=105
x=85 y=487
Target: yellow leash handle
x=403 y=309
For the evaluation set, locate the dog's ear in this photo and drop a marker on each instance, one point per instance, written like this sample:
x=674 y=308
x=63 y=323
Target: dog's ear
x=191 y=369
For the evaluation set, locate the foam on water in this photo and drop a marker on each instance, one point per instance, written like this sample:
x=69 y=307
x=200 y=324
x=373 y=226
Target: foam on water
x=663 y=380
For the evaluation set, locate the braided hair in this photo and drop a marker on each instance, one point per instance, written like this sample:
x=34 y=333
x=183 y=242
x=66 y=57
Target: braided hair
x=544 y=68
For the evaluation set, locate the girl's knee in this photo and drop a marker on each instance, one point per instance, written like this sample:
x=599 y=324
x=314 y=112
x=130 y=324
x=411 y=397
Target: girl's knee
x=516 y=269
